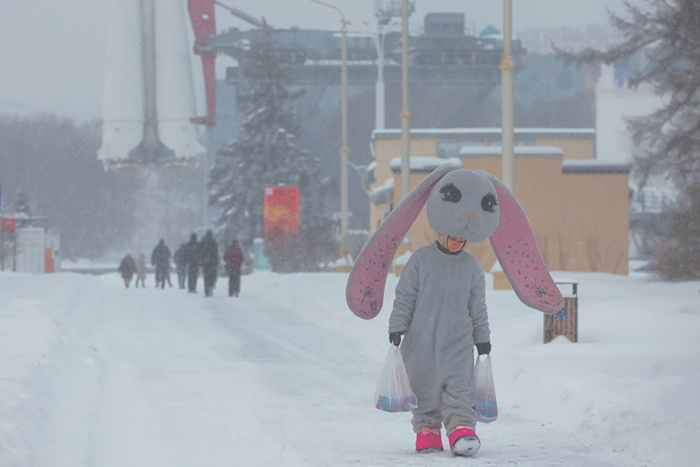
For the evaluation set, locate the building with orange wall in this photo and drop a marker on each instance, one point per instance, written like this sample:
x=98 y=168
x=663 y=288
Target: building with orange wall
x=578 y=207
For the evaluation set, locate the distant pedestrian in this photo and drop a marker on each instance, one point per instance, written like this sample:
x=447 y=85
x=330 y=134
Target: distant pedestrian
x=180 y=264
x=141 y=270
x=167 y=275
x=160 y=258
x=191 y=257
x=127 y=268
x=233 y=257
x=209 y=258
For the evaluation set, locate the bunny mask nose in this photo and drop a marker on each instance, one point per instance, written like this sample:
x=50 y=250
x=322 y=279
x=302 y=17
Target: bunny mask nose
x=470 y=214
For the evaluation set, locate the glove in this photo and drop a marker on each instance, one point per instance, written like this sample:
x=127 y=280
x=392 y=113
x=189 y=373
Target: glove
x=483 y=348
x=395 y=338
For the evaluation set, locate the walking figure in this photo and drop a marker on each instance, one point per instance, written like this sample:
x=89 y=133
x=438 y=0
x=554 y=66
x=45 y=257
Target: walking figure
x=160 y=258
x=209 y=257
x=191 y=258
x=180 y=265
x=127 y=268
x=141 y=271
x=233 y=257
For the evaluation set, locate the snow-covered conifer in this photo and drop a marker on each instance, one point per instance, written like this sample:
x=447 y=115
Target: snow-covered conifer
x=266 y=152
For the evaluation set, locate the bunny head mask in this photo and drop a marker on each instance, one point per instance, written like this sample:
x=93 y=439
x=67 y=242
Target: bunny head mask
x=462 y=203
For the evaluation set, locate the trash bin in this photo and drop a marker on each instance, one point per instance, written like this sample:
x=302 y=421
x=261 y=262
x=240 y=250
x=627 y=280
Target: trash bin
x=565 y=322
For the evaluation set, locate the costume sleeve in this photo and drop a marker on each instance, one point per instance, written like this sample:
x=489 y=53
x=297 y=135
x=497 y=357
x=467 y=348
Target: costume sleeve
x=406 y=296
x=477 y=310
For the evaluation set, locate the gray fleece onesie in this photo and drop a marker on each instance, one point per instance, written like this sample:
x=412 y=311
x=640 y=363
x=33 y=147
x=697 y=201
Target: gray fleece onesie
x=440 y=305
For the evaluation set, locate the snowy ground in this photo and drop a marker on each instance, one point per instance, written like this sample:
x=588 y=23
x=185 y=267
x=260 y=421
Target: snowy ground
x=96 y=375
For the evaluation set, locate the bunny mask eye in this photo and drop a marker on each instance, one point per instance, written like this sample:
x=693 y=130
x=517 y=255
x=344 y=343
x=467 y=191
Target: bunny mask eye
x=464 y=204
x=451 y=193
x=488 y=202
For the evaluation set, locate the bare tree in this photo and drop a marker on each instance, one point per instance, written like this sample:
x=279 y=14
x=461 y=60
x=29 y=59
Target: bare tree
x=52 y=162
x=667 y=142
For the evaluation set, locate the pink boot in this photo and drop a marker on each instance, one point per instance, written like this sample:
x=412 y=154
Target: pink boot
x=428 y=441
x=464 y=442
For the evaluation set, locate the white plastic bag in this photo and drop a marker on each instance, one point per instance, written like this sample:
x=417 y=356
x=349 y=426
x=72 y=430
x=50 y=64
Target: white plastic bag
x=394 y=392
x=484 y=391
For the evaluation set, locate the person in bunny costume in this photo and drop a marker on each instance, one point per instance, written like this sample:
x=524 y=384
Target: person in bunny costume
x=440 y=308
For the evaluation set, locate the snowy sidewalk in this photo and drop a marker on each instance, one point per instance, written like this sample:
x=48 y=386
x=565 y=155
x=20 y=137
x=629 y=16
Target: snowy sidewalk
x=96 y=375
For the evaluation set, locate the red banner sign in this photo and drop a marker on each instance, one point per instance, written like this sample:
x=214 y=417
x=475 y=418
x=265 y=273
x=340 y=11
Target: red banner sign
x=8 y=225
x=281 y=212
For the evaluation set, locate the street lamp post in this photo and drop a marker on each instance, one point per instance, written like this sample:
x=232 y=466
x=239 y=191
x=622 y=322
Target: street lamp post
x=405 y=114
x=344 y=151
x=380 y=122
x=379 y=107
x=507 y=72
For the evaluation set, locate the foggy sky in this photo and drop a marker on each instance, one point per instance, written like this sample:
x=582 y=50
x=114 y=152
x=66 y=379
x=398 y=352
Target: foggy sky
x=52 y=53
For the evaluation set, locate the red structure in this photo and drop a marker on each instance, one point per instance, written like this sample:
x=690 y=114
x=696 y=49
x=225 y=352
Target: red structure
x=203 y=19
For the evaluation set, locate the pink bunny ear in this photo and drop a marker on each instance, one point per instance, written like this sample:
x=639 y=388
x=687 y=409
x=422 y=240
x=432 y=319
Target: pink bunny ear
x=516 y=250
x=365 y=289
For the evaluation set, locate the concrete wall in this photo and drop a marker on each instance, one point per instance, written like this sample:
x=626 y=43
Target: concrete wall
x=574 y=148
x=385 y=150
x=594 y=212
x=580 y=217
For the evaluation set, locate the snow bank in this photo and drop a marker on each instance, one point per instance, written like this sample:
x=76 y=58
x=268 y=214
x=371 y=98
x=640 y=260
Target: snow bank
x=94 y=374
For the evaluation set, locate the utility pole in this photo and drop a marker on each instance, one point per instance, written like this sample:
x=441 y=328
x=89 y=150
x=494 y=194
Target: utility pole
x=405 y=114
x=344 y=151
x=507 y=73
x=379 y=122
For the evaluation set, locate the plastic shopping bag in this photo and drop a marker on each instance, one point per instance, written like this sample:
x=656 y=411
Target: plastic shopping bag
x=484 y=391
x=393 y=392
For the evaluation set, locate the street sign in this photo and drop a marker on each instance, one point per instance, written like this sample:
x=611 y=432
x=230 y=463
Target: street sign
x=8 y=225
x=281 y=212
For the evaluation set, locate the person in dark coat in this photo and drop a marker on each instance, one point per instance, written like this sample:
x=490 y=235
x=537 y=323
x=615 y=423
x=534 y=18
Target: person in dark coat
x=160 y=258
x=180 y=265
x=233 y=257
x=190 y=256
x=127 y=268
x=209 y=258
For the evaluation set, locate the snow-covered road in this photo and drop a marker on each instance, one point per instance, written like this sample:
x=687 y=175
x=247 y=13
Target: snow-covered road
x=96 y=375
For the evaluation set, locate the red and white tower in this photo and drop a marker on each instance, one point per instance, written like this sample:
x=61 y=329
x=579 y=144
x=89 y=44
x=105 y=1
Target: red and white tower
x=149 y=99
